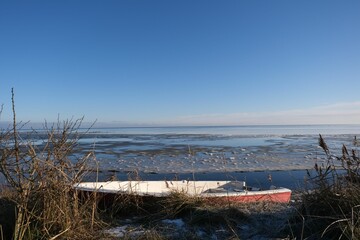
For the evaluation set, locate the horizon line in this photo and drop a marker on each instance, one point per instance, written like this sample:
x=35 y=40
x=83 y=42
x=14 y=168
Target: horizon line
x=110 y=125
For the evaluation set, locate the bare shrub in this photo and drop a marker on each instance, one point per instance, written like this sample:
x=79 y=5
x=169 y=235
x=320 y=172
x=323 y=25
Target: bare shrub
x=42 y=176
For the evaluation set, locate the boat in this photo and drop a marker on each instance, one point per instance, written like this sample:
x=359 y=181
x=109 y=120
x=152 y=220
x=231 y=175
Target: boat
x=233 y=191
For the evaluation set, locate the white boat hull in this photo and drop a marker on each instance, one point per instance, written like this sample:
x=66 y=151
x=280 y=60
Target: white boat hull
x=215 y=190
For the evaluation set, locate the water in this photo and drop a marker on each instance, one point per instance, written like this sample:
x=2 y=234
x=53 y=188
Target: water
x=240 y=130
x=214 y=153
x=294 y=179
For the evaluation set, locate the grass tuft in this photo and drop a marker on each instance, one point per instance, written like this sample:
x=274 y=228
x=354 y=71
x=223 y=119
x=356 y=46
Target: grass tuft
x=331 y=210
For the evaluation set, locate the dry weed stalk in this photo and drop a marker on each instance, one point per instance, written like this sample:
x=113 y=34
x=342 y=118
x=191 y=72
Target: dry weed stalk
x=42 y=176
x=331 y=208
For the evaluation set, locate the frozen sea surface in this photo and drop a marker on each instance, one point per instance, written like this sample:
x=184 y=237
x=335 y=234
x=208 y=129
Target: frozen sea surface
x=212 y=150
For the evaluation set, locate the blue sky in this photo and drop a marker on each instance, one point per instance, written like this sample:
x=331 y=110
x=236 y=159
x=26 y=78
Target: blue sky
x=181 y=62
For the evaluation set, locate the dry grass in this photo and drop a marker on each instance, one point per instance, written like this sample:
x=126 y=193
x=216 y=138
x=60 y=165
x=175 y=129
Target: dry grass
x=41 y=177
x=211 y=219
x=331 y=210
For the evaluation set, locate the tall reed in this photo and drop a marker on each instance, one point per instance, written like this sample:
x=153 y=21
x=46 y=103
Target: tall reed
x=331 y=209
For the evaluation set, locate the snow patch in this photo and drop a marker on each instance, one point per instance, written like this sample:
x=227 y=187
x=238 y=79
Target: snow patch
x=117 y=231
x=179 y=223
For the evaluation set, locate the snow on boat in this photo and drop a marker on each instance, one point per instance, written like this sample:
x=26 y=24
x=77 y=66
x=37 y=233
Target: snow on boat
x=236 y=191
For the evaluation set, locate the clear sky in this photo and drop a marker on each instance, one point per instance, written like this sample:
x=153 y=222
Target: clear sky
x=198 y=62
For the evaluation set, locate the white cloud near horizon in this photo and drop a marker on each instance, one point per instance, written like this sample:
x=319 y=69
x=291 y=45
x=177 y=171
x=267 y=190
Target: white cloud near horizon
x=339 y=113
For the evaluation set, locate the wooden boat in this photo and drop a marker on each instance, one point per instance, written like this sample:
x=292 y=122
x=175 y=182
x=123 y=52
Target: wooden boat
x=236 y=191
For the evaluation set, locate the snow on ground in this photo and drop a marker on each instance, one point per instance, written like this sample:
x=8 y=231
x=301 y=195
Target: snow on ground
x=265 y=223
